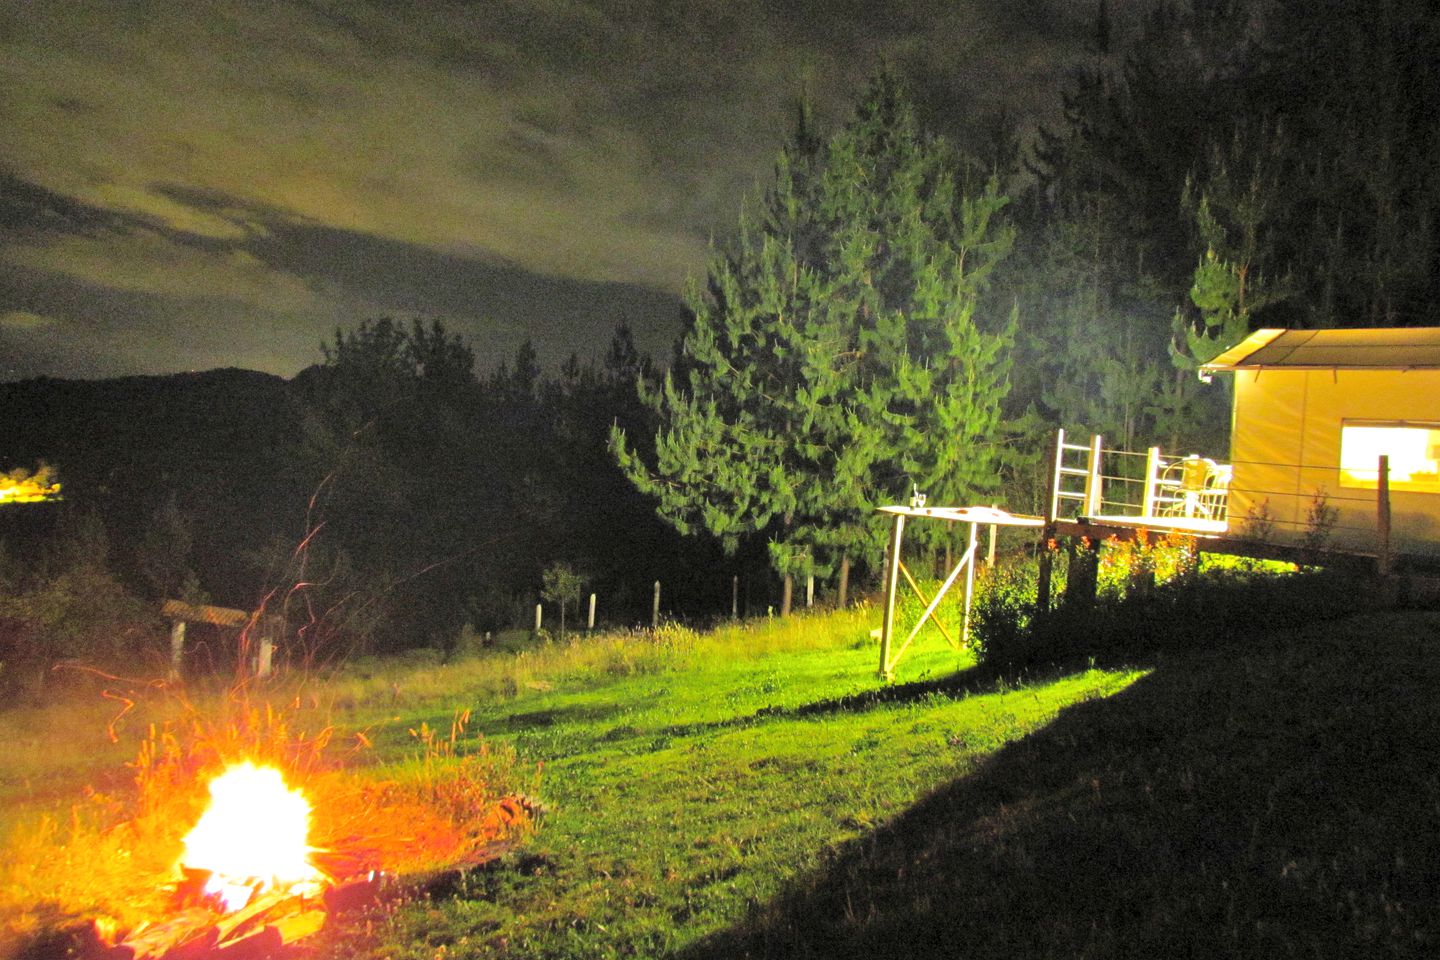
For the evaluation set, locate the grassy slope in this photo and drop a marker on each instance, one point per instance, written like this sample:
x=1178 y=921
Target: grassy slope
x=753 y=794
x=684 y=799
x=1274 y=796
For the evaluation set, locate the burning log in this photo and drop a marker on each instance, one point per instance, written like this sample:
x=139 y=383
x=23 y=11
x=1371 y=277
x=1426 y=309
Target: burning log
x=267 y=928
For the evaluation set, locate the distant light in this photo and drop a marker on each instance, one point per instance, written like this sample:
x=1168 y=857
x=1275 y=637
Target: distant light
x=22 y=487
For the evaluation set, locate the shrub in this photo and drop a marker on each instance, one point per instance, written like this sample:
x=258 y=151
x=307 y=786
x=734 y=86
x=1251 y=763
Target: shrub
x=66 y=604
x=1002 y=616
x=1195 y=607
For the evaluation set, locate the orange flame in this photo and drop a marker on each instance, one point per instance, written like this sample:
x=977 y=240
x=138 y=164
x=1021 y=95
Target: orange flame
x=253 y=837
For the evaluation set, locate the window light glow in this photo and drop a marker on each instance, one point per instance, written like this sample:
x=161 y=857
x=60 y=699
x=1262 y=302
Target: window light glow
x=1413 y=449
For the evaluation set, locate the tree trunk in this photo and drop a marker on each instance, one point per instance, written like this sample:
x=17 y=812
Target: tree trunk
x=786 y=594
x=844 y=586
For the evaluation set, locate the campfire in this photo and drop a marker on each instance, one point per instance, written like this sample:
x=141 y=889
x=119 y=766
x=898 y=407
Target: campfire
x=245 y=838
x=252 y=885
x=250 y=888
x=253 y=838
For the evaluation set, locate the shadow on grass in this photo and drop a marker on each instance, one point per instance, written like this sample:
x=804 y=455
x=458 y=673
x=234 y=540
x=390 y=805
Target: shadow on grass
x=972 y=681
x=1276 y=797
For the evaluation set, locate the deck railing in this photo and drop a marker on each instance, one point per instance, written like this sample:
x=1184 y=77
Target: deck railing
x=1092 y=481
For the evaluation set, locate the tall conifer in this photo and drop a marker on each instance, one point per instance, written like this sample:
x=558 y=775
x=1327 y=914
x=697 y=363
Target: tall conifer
x=837 y=356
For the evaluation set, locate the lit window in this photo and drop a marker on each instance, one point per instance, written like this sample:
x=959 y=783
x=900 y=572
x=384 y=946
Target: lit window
x=1413 y=449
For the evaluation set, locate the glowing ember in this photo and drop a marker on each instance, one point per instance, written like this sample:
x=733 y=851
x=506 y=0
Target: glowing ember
x=253 y=837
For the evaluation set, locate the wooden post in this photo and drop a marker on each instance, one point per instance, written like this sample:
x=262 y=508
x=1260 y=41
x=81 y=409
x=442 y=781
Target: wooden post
x=264 y=660
x=735 y=597
x=1094 y=484
x=1152 y=481
x=1046 y=568
x=1047 y=536
x=892 y=581
x=590 y=620
x=970 y=579
x=655 y=607
x=809 y=590
x=1084 y=572
x=1382 y=530
x=990 y=553
x=539 y=613
x=177 y=648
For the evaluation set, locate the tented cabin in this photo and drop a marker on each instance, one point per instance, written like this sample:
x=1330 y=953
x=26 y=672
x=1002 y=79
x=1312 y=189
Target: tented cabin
x=1314 y=411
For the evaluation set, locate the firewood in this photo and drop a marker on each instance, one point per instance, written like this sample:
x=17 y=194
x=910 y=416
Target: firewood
x=298 y=926
x=193 y=926
x=254 y=946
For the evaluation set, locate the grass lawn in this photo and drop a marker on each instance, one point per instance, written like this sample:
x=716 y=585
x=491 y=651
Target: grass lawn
x=686 y=799
x=758 y=793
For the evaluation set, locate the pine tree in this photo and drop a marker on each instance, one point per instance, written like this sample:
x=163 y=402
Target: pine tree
x=836 y=357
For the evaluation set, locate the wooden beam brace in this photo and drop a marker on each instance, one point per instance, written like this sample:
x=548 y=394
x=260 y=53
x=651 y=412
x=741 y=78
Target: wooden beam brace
x=934 y=618
x=944 y=588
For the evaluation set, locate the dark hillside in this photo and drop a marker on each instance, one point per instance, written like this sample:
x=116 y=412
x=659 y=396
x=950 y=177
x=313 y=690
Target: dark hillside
x=225 y=444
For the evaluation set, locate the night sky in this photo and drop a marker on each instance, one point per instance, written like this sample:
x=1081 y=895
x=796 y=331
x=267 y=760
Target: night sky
x=194 y=185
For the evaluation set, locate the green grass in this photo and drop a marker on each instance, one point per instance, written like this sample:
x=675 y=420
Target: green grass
x=756 y=792
x=686 y=797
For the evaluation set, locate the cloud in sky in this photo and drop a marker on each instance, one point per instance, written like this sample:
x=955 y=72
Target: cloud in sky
x=25 y=320
x=172 y=151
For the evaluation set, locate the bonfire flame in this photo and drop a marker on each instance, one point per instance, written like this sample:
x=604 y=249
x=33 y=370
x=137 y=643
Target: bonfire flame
x=253 y=837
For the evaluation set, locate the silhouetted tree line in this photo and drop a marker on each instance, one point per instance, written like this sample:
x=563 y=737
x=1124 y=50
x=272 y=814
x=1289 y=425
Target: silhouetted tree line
x=443 y=496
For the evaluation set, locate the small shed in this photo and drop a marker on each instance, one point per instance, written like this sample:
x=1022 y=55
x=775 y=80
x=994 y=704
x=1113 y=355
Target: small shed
x=1314 y=410
x=231 y=623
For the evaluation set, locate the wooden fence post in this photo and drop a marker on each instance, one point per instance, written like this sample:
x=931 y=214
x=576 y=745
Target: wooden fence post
x=809 y=590
x=590 y=621
x=264 y=660
x=1383 y=559
x=735 y=597
x=177 y=648
x=539 y=613
x=1083 y=580
x=655 y=608
x=990 y=553
x=1047 y=532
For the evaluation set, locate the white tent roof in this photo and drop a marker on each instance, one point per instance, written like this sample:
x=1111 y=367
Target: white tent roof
x=1373 y=348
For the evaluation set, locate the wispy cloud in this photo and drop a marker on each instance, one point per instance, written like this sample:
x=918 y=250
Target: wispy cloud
x=593 y=141
x=25 y=320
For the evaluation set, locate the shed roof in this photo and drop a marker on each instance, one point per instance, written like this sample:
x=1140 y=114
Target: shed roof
x=204 y=613
x=1371 y=348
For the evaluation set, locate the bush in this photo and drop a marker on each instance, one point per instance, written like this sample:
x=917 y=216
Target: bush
x=1002 y=616
x=1195 y=607
x=66 y=604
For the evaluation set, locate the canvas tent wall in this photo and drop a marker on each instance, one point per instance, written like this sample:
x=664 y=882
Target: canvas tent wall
x=1313 y=409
